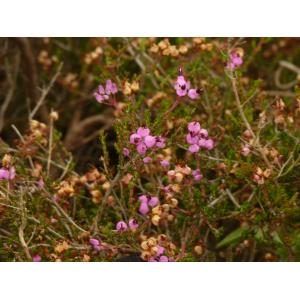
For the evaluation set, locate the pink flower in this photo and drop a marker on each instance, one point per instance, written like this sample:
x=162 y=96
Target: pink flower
x=133 y=224
x=235 y=60
x=246 y=150
x=194 y=127
x=143 y=140
x=193 y=94
x=182 y=86
x=150 y=141
x=36 y=258
x=153 y=201
x=7 y=174
x=194 y=148
x=160 y=142
x=143 y=131
x=197 y=175
x=4 y=174
x=103 y=94
x=165 y=163
x=96 y=244
x=209 y=144
x=141 y=148
x=191 y=138
x=143 y=198
x=147 y=160
x=144 y=209
x=110 y=88
x=198 y=138
x=126 y=152
x=121 y=226
x=135 y=138
x=163 y=259
x=160 y=250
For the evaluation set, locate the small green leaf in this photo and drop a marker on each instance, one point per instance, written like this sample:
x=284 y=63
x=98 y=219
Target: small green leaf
x=232 y=237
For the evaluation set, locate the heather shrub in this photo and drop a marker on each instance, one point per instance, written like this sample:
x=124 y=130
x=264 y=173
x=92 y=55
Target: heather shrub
x=182 y=149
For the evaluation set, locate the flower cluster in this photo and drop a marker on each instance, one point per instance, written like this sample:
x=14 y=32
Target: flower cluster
x=104 y=93
x=183 y=88
x=235 y=59
x=96 y=244
x=260 y=176
x=156 y=249
x=122 y=226
x=198 y=138
x=144 y=140
x=147 y=201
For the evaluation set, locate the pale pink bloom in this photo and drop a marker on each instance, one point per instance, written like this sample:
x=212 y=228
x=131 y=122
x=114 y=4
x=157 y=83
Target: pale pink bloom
x=121 y=226
x=144 y=209
x=103 y=94
x=147 y=160
x=160 y=250
x=126 y=152
x=96 y=244
x=194 y=148
x=182 y=86
x=143 y=131
x=110 y=88
x=36 y=258
x=202 y=143
x=246 y=150
x=7 y=174
x=209 y=144
x=133 y=224
x=194 y=127
x=203 y=132
x=192 y=139
x=153 y=201
x=141 y=148
x=160 y=142
x=135 y=138
x=234 y=61
x=143 y=198
x=165 y=163
x=4 y=173
x=197 y=175
x=150 y=141
x=163 y=258
x=193 y=94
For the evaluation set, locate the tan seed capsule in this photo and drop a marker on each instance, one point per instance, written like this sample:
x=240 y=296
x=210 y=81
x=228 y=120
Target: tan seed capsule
x=144 y=245
x=174 y=202
x=170 y=218
x=106 y=185
x=198 y=249
x=166 y=207
x=152 y=242
x=178 y=177
x=155 y=220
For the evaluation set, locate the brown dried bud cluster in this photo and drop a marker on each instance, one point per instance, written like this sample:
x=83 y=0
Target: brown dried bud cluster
x=165 y=48
x=260 y=175
x=200 y=42
x=92 y=56
x=179 y=173
x=130 y=88
x=70 y=81
x=161 y=213
x=151 y=246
